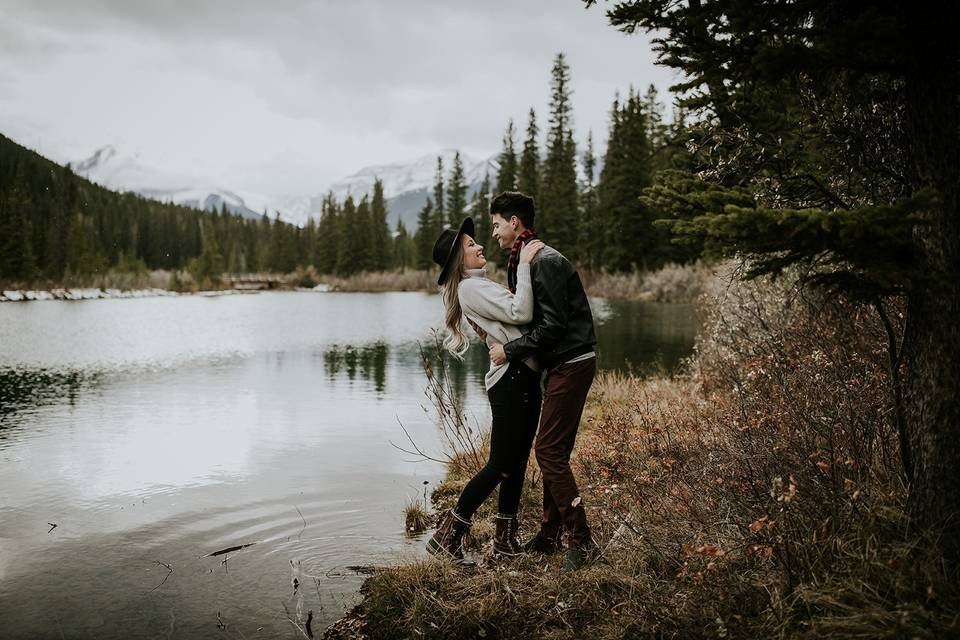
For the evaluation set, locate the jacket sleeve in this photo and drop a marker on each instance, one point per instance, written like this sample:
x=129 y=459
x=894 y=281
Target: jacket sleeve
x=550 y=290
x=486 y=299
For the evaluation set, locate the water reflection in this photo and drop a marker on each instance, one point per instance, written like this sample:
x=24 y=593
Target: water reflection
x=370 y=360
x=23 y=388
x=369 y=363
x=645 y=339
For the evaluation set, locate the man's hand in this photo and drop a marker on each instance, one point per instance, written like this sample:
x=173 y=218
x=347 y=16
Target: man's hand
x=497 y=354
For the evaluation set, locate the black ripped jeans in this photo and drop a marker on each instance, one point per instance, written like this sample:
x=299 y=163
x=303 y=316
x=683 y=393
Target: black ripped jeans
x=515 y=406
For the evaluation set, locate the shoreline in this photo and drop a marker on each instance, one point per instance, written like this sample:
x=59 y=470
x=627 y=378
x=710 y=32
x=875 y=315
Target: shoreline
x=672 y=283
x=108 y=293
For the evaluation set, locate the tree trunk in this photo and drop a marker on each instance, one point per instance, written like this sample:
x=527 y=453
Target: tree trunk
x=932 y=341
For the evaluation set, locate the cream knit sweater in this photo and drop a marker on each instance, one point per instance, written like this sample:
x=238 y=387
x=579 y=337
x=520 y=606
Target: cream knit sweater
x=500 y=313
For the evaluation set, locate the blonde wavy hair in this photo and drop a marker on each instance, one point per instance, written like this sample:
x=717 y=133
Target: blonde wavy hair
x=456 y=341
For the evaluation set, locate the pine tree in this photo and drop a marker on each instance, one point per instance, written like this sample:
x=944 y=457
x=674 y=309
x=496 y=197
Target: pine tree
x=479 y=210
x=328 y=235
x=507 y=176
x=439 y=216
x=380 y=232
x=653 y=112
x=631 y=239
x=557 y=212
x=404 y=248
x=528 y=174
x=588 y=226
x=456 y=193
x=425 y=236
x=347 y=248
x=361 y=241
x=207 y=269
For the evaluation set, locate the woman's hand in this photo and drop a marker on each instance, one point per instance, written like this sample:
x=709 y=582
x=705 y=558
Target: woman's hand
x=529 y=250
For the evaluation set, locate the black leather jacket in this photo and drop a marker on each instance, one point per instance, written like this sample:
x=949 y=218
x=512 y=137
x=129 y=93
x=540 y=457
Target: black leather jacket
x=562 y=325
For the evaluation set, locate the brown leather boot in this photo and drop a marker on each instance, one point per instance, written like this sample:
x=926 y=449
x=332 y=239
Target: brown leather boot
x=447 y=540
x=505 y=542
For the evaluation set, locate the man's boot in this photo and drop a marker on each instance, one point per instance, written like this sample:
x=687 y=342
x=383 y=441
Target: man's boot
x=582 y=550
x=544 y=542
x=580 y=555
x=505 y=541
x=447 y=540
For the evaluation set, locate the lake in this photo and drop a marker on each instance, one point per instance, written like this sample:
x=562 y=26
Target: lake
x=138 y=437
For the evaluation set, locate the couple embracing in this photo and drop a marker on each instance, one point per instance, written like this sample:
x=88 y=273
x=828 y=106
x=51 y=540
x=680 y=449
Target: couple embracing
x=538 y=329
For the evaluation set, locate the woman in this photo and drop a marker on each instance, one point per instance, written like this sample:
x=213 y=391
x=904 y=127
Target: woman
x=513 y=389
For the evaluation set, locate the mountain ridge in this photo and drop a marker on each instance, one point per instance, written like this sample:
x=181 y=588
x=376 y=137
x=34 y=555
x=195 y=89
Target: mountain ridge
x=407 y=184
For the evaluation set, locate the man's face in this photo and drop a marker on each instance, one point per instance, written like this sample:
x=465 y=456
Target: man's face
x=504 y=230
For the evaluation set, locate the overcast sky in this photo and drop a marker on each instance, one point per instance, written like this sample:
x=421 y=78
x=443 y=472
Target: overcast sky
x=285 y=97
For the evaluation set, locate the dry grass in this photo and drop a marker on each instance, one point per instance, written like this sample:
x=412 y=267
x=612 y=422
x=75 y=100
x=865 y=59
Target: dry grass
x=380 y=281
x=124 y=280
x=415 y=516
x=672 y=283
x=759 y=496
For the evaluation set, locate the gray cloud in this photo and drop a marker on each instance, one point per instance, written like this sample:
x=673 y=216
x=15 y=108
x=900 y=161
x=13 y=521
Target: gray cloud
x=240 y=88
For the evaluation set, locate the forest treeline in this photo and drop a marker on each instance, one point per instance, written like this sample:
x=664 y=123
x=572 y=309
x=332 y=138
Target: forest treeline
x=58 y=227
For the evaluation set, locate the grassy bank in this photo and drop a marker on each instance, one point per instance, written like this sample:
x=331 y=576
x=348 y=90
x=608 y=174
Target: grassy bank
x=673 y=283
x=758 y=495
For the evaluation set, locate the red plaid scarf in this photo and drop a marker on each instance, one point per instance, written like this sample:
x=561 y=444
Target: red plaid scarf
x=514 y=260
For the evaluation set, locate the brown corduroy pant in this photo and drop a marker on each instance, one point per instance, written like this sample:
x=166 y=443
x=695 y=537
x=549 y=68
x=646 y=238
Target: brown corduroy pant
x=565 y=392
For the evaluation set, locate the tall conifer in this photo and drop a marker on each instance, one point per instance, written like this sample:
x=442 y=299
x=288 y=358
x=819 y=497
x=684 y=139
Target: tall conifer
x=439 y=217
x=425 y=236
x=361 y=240
x=328 y=236
x=587 y=224
x=631 y=239
x=507 y=175
x=456 y=193
x=346 y=249
x=404 y=248
x=556 y=214
x=380 y=232
x=479 y=210
x=528 y=174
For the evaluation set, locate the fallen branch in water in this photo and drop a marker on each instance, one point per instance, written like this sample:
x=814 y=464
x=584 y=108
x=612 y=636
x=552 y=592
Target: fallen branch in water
x=304 y=521
x=229 y=550
x=169 y=571
x=297 y=626
x=367 y=570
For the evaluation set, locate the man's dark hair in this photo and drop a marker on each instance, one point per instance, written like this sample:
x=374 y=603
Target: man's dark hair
x=514 y=203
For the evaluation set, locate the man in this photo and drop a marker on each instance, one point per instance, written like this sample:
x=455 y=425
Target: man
x=562 y=339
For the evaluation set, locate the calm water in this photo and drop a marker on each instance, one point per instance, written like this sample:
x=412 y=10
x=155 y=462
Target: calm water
x=155 y=432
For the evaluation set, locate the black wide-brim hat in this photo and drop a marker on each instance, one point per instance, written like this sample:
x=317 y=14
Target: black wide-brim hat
x=446 y=246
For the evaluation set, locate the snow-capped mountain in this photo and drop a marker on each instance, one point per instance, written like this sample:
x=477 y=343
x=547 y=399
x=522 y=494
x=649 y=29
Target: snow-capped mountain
x=406 y=185
x=404 y=177
x=114 y=170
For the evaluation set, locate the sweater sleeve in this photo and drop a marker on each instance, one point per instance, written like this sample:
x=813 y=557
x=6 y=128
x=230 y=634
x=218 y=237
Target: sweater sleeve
x=487 y=299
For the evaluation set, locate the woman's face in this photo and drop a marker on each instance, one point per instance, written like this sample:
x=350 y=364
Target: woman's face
x=472 y=253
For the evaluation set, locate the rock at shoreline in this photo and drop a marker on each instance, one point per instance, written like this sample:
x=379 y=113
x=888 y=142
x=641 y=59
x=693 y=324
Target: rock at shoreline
x=81 y=294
